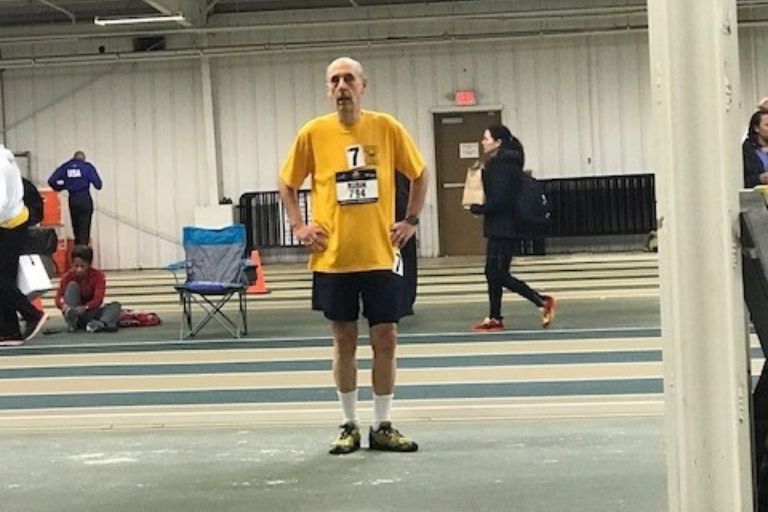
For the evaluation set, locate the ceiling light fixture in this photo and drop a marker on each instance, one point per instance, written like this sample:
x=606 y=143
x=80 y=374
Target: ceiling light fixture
x=133 y=20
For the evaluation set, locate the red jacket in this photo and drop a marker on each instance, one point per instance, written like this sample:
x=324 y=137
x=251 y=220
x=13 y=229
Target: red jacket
x=93 y=285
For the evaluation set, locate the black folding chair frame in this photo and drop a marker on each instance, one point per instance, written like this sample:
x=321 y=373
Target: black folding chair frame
x=213 y=309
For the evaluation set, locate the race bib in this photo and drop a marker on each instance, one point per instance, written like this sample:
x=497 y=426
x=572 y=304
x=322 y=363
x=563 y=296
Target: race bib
x=357 y=186
x=397 y=266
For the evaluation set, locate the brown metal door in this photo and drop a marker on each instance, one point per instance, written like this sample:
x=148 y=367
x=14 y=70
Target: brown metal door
x=457 y=147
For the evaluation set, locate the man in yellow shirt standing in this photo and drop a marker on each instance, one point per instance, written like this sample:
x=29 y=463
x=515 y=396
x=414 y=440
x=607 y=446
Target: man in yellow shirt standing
x=354 y=237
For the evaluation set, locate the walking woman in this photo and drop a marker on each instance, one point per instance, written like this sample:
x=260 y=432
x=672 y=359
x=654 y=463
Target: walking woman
x=502 y=179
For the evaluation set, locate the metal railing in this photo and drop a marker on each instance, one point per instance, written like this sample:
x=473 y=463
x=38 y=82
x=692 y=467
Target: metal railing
x=602 y=205
x=266 y=224
x=591 y=206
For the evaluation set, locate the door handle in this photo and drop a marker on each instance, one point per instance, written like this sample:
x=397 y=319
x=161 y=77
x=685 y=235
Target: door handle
x=453 y=185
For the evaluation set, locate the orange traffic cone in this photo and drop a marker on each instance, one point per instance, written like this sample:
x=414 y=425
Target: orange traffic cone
x=260 y=286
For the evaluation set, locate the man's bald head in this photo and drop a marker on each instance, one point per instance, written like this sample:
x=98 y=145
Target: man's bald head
x=346 y=61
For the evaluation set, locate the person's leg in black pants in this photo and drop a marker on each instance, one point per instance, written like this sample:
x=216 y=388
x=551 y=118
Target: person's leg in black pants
x=108 y=316
x=81 y=212
x=11 y=299
x=760 y=433
x=756 y=297
x=9 y=320
x=498 y=257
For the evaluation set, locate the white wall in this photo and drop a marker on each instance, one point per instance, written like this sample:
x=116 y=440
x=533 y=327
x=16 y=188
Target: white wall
x=754 y=69
x=140 y=125
x=577 y=103
x=580 y=104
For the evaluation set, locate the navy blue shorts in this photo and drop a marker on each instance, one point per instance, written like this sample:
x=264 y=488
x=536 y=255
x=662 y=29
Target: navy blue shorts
x=338 y=296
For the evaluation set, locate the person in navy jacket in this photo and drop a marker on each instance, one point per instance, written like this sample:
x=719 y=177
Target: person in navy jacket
x=76 y=177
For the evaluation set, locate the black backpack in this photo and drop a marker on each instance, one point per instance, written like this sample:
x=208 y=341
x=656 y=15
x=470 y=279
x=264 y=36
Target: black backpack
x=41 y=241
x=33 y=201
x=533 y=208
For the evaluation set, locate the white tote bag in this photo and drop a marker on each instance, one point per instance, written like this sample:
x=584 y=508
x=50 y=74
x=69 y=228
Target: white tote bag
x=32 y=279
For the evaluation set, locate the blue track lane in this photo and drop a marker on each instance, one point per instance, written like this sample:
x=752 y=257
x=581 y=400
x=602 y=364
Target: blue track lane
x=324 y=394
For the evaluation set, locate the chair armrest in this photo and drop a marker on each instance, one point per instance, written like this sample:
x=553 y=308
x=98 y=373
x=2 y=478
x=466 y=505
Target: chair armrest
x=176 y=267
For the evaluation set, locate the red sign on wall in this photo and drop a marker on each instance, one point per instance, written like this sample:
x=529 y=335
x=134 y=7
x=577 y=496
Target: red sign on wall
x=465 y=97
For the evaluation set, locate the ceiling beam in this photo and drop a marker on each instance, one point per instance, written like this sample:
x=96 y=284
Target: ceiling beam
x=211 y=5
x=194 y=11
x=60 y=9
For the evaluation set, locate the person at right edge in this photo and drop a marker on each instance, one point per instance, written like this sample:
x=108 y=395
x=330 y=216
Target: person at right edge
x=754 y=150
x=755 y=165
x=502 y=175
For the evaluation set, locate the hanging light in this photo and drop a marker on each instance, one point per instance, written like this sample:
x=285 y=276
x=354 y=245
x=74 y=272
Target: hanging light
x=133 y=20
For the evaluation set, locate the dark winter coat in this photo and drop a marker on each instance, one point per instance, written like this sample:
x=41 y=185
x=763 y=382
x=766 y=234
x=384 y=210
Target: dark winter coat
x=753 y=166
x=502 y=180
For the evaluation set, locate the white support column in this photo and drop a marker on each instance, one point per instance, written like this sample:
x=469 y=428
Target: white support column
x=212 y=172
x=210 y=213
x=697 y=125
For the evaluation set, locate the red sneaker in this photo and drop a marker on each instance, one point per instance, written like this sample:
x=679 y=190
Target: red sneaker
x=488 y=324
x=548 y=311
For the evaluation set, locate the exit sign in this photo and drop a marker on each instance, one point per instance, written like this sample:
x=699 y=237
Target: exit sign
x=465 y=97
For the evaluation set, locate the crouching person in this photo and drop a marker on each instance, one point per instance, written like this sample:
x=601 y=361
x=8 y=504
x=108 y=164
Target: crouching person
x=81 y=294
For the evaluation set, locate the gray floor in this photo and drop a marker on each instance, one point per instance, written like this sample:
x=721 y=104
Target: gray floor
x=264 y=323
x=573 y=465
x=603 y=465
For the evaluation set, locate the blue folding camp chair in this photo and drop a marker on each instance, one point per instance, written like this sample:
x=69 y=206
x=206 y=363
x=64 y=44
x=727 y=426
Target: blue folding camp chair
x=216 y=271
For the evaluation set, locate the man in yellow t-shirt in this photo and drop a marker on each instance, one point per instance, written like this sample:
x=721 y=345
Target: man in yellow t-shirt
x=355 y=238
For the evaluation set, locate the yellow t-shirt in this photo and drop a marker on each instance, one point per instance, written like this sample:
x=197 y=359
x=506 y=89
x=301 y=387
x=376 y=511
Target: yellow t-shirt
x=358 y=231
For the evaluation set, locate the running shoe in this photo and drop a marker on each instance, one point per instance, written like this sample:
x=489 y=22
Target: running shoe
x=488 y=324
x=390 y=439
x=348 y=440
x=548 y=311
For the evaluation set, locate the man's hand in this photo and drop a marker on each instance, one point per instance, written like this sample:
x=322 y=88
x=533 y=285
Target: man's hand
x=401 y=232
x=80 y=309
x=312 y=237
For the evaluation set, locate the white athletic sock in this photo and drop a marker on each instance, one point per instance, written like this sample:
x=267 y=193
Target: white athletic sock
x=381 y=406
x=349 y=405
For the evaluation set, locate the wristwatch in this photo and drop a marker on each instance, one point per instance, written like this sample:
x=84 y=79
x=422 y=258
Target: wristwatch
x=413 y=220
